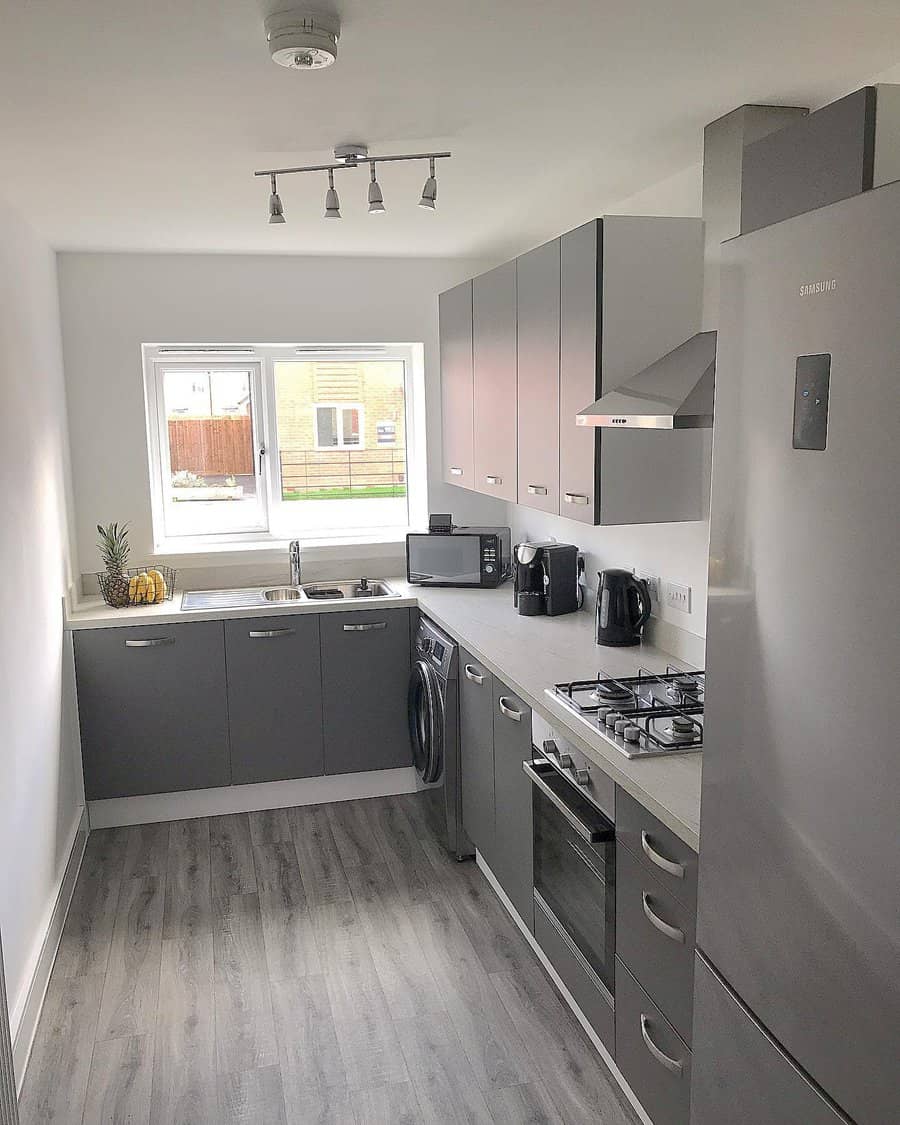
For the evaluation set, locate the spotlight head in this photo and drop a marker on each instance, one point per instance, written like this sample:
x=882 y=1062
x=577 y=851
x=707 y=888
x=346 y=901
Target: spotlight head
x=376 y=200
x=429 y=191
x=332 y=203
x=276 y=211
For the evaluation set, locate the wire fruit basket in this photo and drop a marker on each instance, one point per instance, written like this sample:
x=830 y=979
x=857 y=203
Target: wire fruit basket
x=137 y=586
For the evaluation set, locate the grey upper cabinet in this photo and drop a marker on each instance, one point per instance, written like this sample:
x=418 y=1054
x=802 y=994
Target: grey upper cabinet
x=513 y=844
x=274 y=698
x=578 y=369
x=152 y=708
x=538 y=325
x=476 y=735
x=457 y=406
x=495 y=396
x=630 y=291
x=365 y=676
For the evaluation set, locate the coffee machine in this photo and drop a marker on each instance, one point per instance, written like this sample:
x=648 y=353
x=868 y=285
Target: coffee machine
x=546 y=579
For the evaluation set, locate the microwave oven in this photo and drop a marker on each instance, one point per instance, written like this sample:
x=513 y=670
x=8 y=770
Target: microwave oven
x=465 y=556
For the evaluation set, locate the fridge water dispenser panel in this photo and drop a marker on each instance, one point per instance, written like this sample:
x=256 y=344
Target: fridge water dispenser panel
x=811 y=401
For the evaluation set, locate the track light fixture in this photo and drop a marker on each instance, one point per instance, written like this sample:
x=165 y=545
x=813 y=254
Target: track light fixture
x=376 y=200
x=429 y=191
x=332 y=203
x=276 y=211
x=354 y=156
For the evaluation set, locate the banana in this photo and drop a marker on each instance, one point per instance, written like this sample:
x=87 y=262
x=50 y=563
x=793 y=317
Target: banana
x=160 y=584
x=150 y=595
x=141 y=592
x=132 y=588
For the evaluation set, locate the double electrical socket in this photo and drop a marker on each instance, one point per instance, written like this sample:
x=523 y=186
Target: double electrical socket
x=676 y=596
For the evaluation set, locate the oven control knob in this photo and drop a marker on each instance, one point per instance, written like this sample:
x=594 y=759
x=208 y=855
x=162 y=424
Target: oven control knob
x=582 y=777
x=632 y=733
x=549 y=746
x=621 y=724
x=612 y=718
x=565 y=760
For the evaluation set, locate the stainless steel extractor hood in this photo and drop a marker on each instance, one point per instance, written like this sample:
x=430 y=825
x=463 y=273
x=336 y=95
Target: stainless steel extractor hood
x=675 y=393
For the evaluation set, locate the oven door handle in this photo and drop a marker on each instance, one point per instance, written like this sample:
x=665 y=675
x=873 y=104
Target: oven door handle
x=585 y=831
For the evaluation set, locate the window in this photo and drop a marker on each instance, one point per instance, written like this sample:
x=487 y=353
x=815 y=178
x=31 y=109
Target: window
x=278 y=442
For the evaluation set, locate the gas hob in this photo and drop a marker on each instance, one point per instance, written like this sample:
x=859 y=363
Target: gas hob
x=647 y=715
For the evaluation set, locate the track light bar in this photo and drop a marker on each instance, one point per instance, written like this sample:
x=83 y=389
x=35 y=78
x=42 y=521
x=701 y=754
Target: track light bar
x=353 y=156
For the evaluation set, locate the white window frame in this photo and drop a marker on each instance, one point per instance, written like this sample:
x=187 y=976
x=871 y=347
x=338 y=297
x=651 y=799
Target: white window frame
x=281 y=524
x=361 y=411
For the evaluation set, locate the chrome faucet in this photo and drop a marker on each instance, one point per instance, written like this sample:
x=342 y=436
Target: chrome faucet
x=294 y=556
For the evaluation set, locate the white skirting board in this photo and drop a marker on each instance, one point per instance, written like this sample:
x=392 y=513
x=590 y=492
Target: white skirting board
x=25 y=1021
x=566 y=995
x=251 y=798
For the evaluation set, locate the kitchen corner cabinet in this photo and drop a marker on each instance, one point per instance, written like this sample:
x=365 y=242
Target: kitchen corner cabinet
x=274 y=698
x=494 y=381
x=457 y=457
x=152 y=708
x=551 y=332
x=537 y=331
x=365 y=678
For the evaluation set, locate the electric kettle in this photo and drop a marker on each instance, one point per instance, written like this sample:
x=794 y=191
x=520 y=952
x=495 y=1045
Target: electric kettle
x=623 y=606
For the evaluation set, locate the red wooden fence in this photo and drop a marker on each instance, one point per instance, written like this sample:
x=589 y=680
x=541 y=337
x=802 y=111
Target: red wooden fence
x=212 y=446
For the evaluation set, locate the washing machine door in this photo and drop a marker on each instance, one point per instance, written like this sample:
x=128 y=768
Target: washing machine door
x=426 y=721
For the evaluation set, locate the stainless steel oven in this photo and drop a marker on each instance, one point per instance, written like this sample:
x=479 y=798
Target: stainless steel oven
x=574 y=860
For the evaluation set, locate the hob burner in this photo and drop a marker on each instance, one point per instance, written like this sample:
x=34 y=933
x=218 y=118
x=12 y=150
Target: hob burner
x=608 y=691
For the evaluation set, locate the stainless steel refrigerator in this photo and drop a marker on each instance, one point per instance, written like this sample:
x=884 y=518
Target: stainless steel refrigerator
x=797 y=1000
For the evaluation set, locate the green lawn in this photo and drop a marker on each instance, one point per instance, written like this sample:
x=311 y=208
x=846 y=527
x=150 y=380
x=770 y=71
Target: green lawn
x=364 y=492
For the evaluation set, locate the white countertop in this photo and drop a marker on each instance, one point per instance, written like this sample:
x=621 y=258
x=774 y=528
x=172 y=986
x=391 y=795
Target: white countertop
x=528 y=653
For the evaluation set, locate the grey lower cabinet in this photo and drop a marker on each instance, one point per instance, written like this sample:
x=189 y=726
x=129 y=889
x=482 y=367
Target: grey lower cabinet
x=513 y=833
x=274 y=698
x=365 y=678
x=152 y=708
x=476 y=734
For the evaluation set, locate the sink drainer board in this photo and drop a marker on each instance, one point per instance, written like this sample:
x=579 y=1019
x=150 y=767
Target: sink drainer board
x=222 y=599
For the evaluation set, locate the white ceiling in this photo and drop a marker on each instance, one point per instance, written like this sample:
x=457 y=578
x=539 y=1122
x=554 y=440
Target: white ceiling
x=136 y=124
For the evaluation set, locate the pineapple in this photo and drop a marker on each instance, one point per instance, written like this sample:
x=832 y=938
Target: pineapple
x=114 y=548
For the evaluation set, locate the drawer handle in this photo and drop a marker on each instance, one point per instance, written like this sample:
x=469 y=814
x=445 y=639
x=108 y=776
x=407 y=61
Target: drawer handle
x=473 y=675
x=575 y=498
x=367 y=627
x=509 y=712
x=150 y=642
x=674 y=1066
x=537 y=490
x=455 y=471
x=671 y=932
x=494 y=480
x=258 y=634
x=668 y=865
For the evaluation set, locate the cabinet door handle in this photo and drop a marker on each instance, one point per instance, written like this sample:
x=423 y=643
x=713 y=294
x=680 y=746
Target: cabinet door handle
x=668 y=865
x=675 y=1066
x=258 y=634
x=150 y=642
x=473 y=675
x=537 y=490
x=455 y=471
x=366 y=627
x=509 y=712
x=494 y=480
x=671 y=932
x=575 y=498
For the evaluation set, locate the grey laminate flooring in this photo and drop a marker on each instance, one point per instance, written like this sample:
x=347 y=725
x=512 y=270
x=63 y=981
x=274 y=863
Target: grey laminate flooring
x=326 y=964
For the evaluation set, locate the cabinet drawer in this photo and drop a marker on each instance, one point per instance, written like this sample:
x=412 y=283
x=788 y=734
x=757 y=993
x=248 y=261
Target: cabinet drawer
x=668 y=858
x=578 y=977
x=656 y=934
x=651 y=1055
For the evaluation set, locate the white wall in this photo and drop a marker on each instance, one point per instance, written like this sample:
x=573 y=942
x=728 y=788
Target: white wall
x=40 y=767
x=112 y=303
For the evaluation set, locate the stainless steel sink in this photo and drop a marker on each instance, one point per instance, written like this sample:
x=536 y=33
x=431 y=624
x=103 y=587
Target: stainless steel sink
x=348 y=591
x=283 y=594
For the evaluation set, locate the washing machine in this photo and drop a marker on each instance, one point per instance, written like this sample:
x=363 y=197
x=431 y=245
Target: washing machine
x=433 y=706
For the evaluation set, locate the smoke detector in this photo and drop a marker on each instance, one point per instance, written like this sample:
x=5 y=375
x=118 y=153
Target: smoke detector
x=303 y=40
